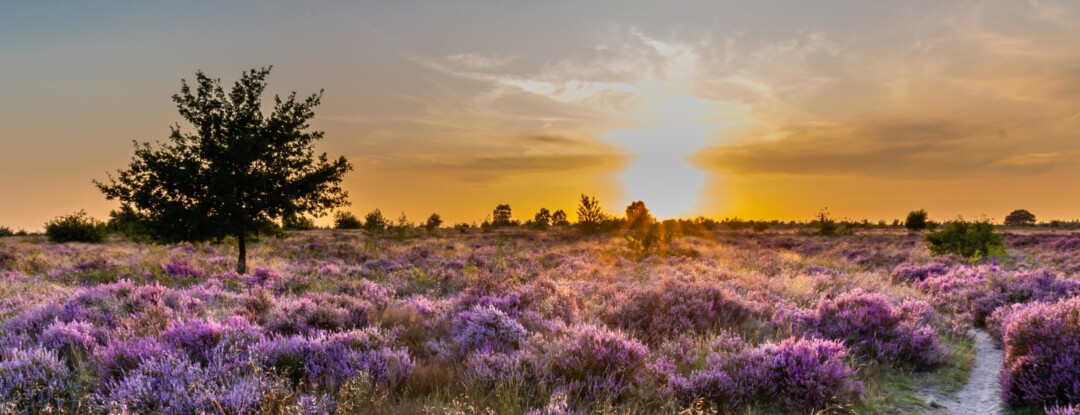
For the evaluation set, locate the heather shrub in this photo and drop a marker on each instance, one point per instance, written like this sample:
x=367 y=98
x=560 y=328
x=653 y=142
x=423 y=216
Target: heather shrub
x=917 y=273
x=877 y=327
x=171 y=384
x=489 y=370
x=806 y=375
x=1018 y=288
x=72 y=341
x=328 y=360
x=1063 y=410
x=76 y=227
x=1042 y=355
x=676 y=306
x=122 y=356
x=811 y=374
x=593 y=363
x=35 y=381
x=486 y=328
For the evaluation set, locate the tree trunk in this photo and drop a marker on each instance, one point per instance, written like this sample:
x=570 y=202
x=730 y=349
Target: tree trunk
x=241 y=263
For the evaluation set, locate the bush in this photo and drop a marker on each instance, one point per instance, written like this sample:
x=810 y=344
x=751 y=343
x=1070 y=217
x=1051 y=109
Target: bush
x=34 y=381
x=77 y=227
x=916 y=220
x=675 y=307
x=346 y=220
x=1042 y=355
x=966 y=239
x=433 y=222
x=6 y=231
x=803 y=375
x=876 y=327
x=374 y=221
x=594 y=364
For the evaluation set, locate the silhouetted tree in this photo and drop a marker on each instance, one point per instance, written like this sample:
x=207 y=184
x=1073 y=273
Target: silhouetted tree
x=1020 y=217
x=637 y=215
x=237 y=173
x=916 y=220
x=501 y=216
x=433 y=222
x=590 y=216
x=559 y=218
x=374 y=221
x=542 y=219
x=346 y=220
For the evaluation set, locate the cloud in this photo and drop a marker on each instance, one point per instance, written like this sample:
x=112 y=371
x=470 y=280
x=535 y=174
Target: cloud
x=478 y=60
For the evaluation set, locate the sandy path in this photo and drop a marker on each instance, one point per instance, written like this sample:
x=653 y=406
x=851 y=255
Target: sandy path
x=982 y=393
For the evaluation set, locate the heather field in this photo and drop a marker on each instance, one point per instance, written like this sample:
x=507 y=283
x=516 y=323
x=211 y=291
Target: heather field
x=516 y=321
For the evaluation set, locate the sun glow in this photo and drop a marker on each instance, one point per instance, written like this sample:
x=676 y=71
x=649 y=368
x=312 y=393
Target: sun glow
x=669 y=130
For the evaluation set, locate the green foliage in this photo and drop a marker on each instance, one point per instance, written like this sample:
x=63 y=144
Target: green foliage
x=374 y=221
x=76 y=227
x=346 y=220
x=966 y=239
x=433 y=222
x=916 y=220
x=236 y=173
x=6 y=231
x=1020 y=217
x=501 y=216
x=591 y=216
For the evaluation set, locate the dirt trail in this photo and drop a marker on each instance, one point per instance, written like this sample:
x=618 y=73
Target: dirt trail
x=982 y=393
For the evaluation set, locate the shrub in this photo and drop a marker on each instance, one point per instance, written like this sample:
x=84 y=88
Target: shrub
x=1042 y=355
x=675 y=307
x=374 y=221
x=966 y=239
x=77 y=227
x=346 y=220
x=594 y=363
x=876 y=327
x=804 y=375
x=35 y=381
x=6 y=231
x=171 y=384
x=916 y=220
x=433 y=222
x=485 y=328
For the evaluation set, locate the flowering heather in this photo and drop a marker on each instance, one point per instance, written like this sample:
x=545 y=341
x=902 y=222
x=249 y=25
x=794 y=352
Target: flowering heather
x=486 y=328
x=516 y=321
x=676 y=306
x=875 y=326
x=1042 y=355
x=35 y=380
x=594 y=363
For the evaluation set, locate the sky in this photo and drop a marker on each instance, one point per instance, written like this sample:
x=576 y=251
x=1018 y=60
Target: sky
x=757 y=109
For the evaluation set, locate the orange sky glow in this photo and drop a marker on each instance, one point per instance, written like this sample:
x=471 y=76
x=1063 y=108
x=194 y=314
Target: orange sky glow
x=760 y=110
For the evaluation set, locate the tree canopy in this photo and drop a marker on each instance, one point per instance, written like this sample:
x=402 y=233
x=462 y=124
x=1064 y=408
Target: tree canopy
x=236 y=173
x=1020 y=217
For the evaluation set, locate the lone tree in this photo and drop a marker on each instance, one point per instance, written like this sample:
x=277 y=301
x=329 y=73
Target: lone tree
x=1020 y=217
x=590 y=216
x=501 y=216
x=916 y=220
x=237 y=172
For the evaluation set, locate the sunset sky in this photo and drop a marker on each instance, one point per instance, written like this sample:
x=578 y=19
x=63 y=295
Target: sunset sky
x=756 y=109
